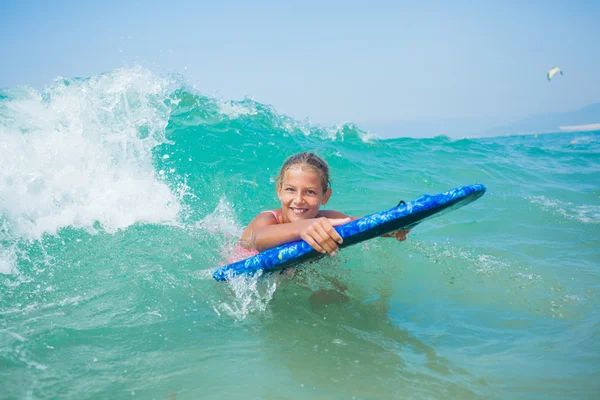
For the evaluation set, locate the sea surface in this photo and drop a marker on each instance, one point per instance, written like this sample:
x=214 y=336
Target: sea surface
x=121 y=193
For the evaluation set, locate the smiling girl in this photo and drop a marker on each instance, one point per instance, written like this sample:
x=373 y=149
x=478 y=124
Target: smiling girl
x=302 y=187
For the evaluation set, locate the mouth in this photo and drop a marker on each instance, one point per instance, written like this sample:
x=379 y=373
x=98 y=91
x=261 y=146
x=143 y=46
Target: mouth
x=298 y=211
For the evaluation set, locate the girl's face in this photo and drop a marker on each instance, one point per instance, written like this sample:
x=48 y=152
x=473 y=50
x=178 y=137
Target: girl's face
x=301 y=194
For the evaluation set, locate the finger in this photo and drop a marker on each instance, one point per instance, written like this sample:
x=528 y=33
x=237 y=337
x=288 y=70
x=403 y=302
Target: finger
x=339 y=221
x=326 y=240
x=329 y=232
x=313 y=243
x=332 y=232
x=319 y=235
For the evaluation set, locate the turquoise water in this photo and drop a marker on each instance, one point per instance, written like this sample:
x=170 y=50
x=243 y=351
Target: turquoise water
x=121 y=193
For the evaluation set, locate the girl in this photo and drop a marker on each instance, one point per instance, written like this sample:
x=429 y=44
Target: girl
x=302 y=187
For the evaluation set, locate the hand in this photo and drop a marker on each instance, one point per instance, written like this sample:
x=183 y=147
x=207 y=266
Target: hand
x=399 y=235
x=321 y=235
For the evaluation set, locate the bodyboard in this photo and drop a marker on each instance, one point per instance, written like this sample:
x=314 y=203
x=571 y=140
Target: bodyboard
x=403 y=216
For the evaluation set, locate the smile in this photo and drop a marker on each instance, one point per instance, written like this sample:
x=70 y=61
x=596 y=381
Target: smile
x=298 y=211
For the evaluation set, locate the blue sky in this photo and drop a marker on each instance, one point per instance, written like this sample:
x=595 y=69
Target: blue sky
x=330 y=61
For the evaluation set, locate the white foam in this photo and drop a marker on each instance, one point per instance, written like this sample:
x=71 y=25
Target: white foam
x=234 y=109
x=589 y=214
x=14 y=335
x=221 y=220
x=80 y=153
x=334 y=131
x=251 y=295
x=8 y=260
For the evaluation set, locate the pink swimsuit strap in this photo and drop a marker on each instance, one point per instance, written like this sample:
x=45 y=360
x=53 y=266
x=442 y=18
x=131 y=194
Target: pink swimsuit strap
x=274 y=214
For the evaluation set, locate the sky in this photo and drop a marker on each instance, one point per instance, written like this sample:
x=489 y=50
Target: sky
x=326 y=61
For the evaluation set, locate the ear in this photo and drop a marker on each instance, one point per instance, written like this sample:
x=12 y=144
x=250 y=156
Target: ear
x=326 y=197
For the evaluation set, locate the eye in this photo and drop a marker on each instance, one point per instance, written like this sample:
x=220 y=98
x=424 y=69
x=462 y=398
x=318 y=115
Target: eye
x=311 y=192
x=289 y=189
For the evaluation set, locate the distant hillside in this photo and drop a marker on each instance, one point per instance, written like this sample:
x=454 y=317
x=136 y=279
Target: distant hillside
x=589 y=115
x=587 y=118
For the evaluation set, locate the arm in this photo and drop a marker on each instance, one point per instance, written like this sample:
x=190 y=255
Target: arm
x=318 y=232
x=264 y=232
x=267 y=235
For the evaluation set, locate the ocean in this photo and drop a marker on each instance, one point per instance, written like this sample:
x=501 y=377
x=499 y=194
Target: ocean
x=121 y=193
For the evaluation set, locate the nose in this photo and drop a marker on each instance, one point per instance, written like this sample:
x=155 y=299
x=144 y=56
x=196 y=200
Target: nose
x=299 y=199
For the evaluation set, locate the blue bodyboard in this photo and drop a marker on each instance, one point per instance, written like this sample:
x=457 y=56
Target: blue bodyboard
x=403 y=216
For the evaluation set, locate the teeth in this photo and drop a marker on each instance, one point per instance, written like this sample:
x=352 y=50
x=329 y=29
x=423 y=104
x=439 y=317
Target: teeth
x=297 y=210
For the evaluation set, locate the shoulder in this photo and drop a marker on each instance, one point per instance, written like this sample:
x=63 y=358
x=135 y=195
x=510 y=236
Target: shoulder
x=262 y=219
x=268 y=217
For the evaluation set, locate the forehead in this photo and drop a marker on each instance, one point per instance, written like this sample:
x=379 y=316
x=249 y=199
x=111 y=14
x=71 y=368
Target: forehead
x=301 y=176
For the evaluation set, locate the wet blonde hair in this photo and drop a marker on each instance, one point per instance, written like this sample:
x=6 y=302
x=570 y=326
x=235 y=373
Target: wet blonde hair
x=309 y=161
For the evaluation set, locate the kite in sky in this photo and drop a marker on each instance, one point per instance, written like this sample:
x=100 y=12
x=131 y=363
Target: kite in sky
x=553 y=71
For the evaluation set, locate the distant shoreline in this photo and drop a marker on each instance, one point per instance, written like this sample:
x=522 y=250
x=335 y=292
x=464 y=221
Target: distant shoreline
x=581 y=128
